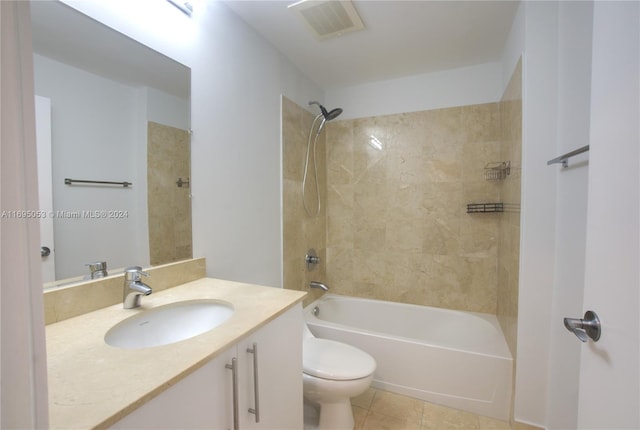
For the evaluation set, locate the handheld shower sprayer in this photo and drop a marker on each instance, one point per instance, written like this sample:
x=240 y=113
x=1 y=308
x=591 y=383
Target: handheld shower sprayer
x=326 y=116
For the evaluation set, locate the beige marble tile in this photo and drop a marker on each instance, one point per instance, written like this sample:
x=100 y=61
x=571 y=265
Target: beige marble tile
x=375 y=421
x=481 y=123
x=359 y=417
x=385 y=410
x=169 y=206
x=300 y=230
x=509 y=229
x=442 y=418
x=396 y=406
x=364 y=400
x=408 y=198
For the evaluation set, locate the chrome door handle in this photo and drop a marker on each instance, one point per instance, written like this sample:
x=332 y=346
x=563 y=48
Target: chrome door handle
x=256 y=393
x=589 y=326
x=45 y=251
x=234 y=377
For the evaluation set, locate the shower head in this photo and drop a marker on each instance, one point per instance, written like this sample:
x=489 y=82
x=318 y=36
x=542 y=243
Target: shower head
x=333 y=114
x=328 y=116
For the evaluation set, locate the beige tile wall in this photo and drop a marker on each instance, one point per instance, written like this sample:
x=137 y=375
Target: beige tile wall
x=509 y=249
x=509 y=242
x=168 y=158
x=301 y=231
x=395 y=220
x=397 y=227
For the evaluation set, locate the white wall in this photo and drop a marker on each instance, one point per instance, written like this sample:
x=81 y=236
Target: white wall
x=555 y=38
x=237 y=79
x=535 y=33
x=456 y=87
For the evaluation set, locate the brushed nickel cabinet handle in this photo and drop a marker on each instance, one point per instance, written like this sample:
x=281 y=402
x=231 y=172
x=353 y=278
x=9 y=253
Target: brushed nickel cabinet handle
x=234 y=378
x=256 y=392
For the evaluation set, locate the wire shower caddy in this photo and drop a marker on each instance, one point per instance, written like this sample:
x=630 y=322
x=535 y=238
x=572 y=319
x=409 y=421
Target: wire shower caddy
x=497 y=171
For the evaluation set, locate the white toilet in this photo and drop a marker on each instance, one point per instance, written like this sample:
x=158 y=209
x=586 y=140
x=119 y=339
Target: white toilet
x=333 y=372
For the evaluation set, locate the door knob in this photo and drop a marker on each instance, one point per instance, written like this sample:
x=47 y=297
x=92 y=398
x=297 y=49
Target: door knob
x=589 y=326
x=45 y=251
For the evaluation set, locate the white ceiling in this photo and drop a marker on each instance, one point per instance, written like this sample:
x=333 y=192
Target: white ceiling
x=401 y=38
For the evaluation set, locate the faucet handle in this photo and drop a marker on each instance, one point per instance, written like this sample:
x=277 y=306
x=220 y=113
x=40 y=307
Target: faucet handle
x=134 y=273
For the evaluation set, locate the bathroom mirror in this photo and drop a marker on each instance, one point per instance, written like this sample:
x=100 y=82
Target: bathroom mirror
x=108 y=109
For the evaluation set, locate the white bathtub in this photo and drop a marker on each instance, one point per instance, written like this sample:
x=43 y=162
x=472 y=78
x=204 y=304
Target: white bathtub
x=453 y=358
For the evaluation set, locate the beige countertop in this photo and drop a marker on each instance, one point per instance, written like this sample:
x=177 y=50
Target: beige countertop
x=93 y=385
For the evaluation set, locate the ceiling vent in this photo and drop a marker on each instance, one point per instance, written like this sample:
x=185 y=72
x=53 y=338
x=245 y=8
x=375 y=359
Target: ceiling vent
x=328 y=18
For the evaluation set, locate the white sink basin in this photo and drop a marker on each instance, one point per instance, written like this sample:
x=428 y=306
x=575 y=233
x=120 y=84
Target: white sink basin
x=168 y=324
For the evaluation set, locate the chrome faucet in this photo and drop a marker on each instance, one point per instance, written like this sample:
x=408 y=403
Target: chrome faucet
x=134 y=288
x=97 y=269
x=320 y=285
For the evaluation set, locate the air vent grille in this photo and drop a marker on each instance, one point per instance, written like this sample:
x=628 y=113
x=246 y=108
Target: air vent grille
x=328 y=18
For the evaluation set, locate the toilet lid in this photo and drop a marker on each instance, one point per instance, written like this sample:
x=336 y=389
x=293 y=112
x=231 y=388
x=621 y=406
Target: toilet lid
x=328 y=359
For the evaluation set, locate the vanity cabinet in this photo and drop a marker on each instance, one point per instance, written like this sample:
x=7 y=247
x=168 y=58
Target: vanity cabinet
x=205 y=398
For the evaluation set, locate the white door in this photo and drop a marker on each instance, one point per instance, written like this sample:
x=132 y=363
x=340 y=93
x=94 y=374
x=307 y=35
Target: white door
x=45 y=186
x=609 y=392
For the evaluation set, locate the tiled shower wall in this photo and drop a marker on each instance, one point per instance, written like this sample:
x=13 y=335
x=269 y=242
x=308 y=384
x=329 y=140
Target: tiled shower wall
x=302 y=231
x=168 y=158
x=396 y=191
x=509 y=246
x=397 y=227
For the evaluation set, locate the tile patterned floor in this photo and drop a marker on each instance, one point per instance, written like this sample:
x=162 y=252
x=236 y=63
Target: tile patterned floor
x=382 y=410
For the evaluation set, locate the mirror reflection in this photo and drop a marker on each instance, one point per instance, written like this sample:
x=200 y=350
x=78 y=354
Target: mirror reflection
x=108 y=109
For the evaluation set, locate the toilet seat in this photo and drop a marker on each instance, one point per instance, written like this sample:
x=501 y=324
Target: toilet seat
x=328 y=359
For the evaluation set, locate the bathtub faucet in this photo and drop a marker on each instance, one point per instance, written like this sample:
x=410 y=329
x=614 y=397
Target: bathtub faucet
x=320 y=285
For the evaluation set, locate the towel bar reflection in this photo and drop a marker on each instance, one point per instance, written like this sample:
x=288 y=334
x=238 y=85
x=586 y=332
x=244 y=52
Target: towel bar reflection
x=563 y=158
x=68 y=181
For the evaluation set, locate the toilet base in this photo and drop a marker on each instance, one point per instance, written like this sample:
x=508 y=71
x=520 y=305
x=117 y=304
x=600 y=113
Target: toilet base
x=331 y=416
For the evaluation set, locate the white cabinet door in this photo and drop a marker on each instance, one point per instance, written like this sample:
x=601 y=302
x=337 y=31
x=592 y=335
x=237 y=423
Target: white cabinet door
x=279 y=364
x=200 y=400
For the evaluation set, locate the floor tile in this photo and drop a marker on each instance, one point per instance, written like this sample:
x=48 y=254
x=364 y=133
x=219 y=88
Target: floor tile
x=359 y=416
x=397 y=406
x=436 y=417
x=376 y=421
x=382 y=410
x=365 y=399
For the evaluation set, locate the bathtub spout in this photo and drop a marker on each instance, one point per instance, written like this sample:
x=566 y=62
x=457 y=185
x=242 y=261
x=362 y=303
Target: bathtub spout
x=320 y=285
